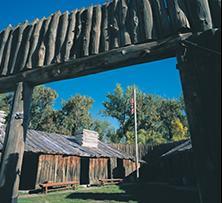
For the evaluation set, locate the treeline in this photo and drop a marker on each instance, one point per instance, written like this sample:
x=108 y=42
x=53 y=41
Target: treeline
x=160 y=120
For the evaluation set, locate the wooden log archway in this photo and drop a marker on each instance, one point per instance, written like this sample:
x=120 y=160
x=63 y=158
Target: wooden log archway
x=100 y=38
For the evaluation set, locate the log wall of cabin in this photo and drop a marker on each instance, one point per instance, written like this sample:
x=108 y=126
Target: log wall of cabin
x=121 y=168
x=58 y=168
x=98 y=169
x=130 y=167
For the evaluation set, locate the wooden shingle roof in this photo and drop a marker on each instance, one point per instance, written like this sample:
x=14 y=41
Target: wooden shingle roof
x=51 y=143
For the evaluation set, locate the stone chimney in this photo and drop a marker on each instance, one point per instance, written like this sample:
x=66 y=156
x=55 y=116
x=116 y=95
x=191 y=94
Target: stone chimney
x=88 y=138
x=2 y=123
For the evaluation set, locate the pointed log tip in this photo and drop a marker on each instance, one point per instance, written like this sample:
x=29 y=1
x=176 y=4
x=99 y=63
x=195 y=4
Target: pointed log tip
x=10 y=26
x=58 y=12
x=35 y=21
x=66 y=13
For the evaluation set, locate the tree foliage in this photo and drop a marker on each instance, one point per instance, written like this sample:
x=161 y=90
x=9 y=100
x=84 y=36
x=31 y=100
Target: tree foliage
x=73 y=116
x=159 y=119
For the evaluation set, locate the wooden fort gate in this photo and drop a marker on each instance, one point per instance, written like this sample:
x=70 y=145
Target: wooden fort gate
x=117 y=34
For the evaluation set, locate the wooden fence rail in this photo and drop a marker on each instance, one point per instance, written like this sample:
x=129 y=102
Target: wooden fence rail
x=146 y=151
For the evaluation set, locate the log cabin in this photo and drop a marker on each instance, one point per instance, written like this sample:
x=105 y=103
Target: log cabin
x=58 y=158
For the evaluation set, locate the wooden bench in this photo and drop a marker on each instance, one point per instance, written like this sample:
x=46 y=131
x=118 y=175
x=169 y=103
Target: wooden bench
x=110 y=181
x=48 y=186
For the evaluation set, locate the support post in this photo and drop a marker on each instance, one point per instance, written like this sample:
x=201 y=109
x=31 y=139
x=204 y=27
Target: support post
x=200 y=69
x=14 y=144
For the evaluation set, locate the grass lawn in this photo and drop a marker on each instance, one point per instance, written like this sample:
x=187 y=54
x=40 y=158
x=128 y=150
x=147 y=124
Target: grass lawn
x=132 y=193
x=107 y=194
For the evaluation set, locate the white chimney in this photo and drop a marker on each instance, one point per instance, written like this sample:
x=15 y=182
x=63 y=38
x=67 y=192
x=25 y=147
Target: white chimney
x=2 y=123
x=88 y=138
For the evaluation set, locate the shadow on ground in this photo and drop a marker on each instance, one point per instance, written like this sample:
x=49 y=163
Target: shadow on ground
x=161 y=193
x=102 y=197
x=144 y=193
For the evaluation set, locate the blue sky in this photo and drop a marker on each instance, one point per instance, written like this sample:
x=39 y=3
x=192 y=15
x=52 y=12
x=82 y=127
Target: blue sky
x=157 y=78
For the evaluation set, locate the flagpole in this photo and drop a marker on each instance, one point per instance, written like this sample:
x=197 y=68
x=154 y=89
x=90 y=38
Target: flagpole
x=136 y=135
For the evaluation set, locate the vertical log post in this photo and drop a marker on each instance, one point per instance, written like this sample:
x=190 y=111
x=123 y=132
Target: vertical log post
x=200 y=15
x=14 y=144
x=200 y=70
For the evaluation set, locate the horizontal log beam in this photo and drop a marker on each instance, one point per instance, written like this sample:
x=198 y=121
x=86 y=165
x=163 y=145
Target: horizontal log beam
x=122 y=57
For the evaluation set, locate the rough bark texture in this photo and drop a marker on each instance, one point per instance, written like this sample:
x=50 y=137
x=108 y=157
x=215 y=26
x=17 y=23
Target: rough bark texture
x=24 y=48
x=201 y=79
x=178 y=15
x=200 y=16
x=3 y=42
x=89 y=31
x=50 y=40
x=75 y=50
x=123 y=12
x=13 y=151
x=215 y=8
x=133 y=21
x=104 y=43
x=96 y=32
x=70 y=36
x=87 y=25
x=61 y=35
x=161 y=17
x=16 y=43
x=35 y=38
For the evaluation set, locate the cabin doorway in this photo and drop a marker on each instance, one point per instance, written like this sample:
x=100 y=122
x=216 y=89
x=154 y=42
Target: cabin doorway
x=84 y=171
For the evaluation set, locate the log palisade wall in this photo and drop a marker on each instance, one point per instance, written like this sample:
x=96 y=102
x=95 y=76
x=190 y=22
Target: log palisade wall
x=81 y=33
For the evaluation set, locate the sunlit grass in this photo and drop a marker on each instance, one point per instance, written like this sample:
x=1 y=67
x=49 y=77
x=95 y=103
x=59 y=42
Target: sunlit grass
x=107 y=194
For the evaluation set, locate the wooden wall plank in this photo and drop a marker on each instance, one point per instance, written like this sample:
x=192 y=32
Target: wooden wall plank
x=58 y=168
x=70 y=36
x=178 y=15
x=3 y=42
x=96 y=32
x=75 y=50
x=16 y=43
x=6 y=54
x=98 y=169
x=215 y=7
x=32 y=59
x=200 y=16
x=50 y=40
x=86 y=25
x=61 y=35
x=133 y=21
x=123 y=12
x=24 y=48
x=161 y=18
x=113 y=26
x=104 y=43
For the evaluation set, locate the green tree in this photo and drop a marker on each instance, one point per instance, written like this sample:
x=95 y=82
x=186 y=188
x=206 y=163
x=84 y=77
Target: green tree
x=171 y=114
x=116 y=107
x=5 y=102
x=74 y=115
x=104 y=129
x=156 y=116
x=42 y=113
